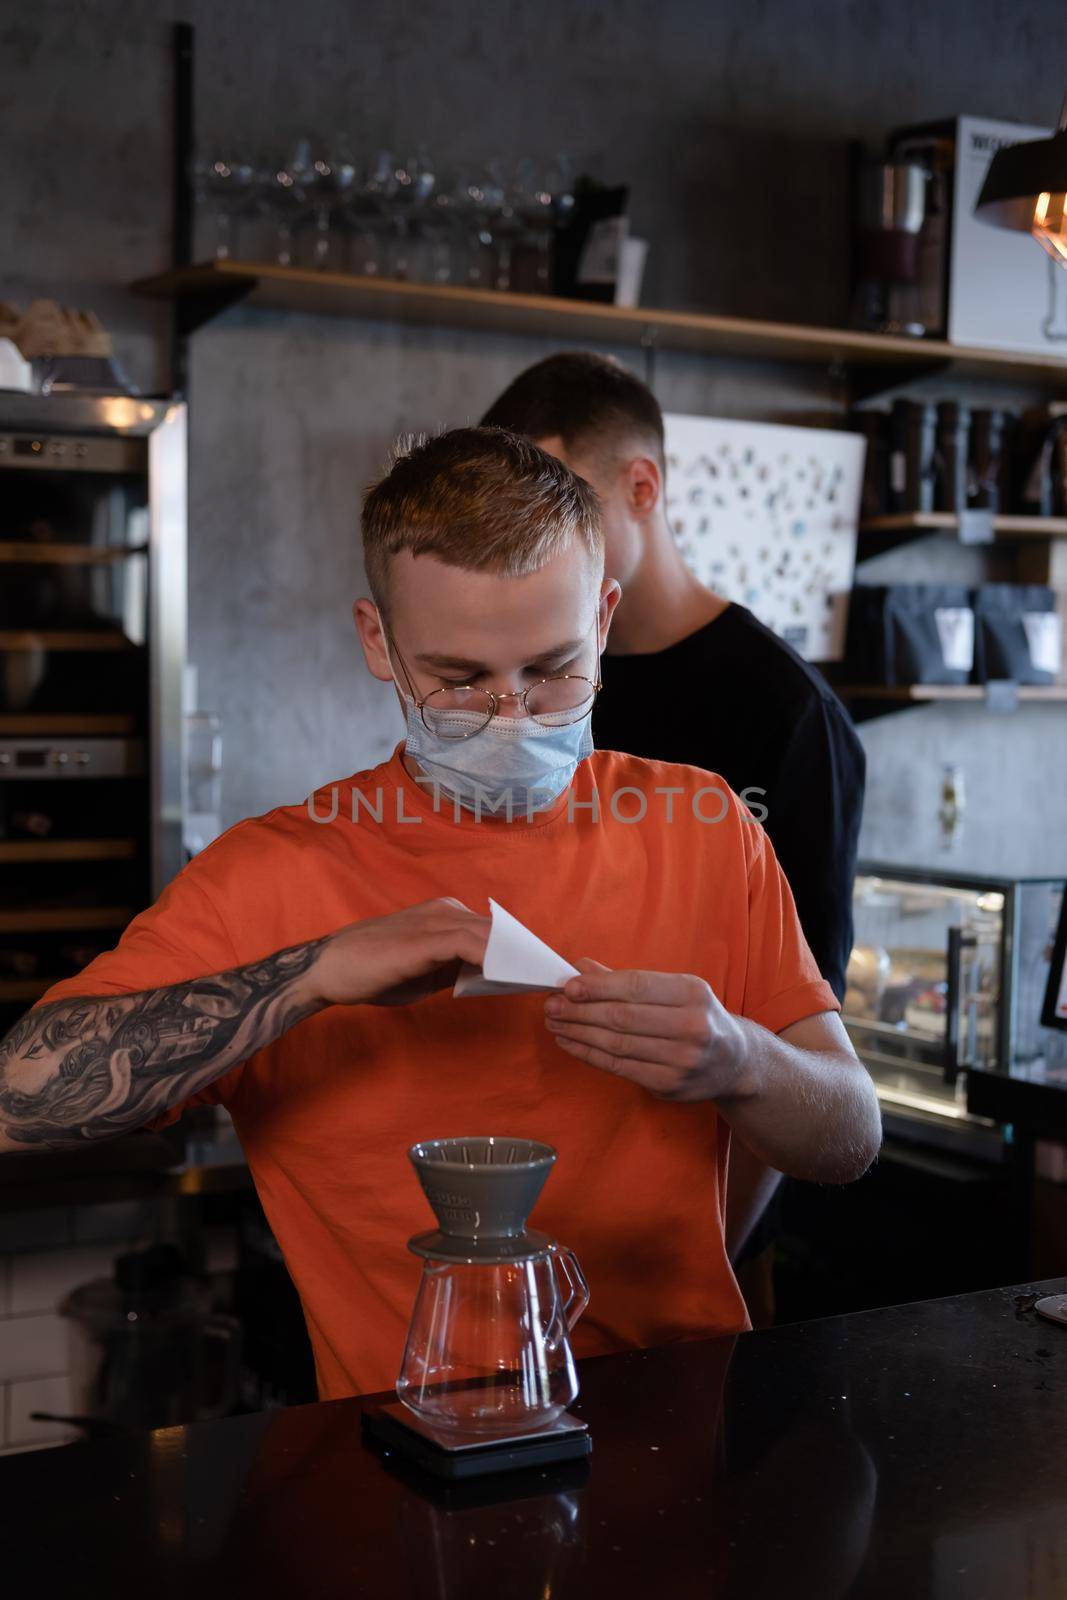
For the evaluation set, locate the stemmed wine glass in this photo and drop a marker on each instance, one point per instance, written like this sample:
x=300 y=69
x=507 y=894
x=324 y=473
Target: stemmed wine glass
x=415 y=180
x=328 y=189
x=476 y=199
x=442 y=229
x=224 y=187
x=379 y=215
x=542 y=201
x=282 y=193
x=502 y=223
x=367 y=215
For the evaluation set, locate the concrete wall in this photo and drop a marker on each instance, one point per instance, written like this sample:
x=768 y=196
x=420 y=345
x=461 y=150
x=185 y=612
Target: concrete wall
x=729 y=122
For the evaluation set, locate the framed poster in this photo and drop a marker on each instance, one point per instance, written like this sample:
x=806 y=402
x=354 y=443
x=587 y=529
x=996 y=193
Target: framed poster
x=766 y=515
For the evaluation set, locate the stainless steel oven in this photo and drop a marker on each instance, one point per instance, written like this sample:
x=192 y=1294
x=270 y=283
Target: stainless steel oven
x=92 y=647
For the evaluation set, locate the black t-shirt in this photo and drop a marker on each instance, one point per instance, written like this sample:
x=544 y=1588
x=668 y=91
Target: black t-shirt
x=735 y=699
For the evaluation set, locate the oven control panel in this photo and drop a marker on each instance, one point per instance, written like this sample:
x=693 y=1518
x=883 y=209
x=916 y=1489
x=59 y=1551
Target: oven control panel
x=71 y=758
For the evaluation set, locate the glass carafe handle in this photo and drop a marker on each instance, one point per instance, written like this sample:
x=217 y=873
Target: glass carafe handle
x=577 y=1290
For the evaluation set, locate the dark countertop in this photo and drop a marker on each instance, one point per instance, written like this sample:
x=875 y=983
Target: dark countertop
x=1034 y=1098
x=915 y=1451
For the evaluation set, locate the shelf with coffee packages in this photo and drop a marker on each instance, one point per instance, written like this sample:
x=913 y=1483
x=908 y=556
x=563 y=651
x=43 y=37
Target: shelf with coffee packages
x=909 y=644
x=984 y=474
x=487 y=1373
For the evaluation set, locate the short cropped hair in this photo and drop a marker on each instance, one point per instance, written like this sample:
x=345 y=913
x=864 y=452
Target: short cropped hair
x=480 y=498
x=592 y=403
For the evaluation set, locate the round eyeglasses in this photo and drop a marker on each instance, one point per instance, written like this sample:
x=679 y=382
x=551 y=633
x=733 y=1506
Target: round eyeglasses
x=461 y=711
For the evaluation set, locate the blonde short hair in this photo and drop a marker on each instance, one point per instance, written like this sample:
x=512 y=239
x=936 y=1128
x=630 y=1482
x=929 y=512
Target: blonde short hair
x=480 y=498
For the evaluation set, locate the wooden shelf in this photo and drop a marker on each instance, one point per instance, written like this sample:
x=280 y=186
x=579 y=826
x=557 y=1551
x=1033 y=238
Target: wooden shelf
x=922 y=693
x=63 y=919
x=29 y=725
x=938 y=521
x=62 y=555
x=24 y=988
x=216 y=285
x=61 y=639
x=68 y=849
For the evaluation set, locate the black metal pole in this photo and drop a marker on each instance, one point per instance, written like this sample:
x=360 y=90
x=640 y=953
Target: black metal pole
x=182 y=180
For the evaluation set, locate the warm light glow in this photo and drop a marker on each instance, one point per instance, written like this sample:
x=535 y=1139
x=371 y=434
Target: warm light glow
x=1049 y=226
x=120 y=413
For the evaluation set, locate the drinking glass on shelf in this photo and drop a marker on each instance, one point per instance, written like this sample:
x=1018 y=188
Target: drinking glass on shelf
x=383 y=216
x=327 y=191
x=367 y=216
x=543 y=201
x=222 y=189
x=475 y=206
x=531 y=251
x=415 y=180
x=282 y=193
x=502 y=223
x=442 y=228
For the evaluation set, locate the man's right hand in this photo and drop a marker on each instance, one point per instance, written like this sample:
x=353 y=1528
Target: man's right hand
x=95 y=1066
x=389 y=961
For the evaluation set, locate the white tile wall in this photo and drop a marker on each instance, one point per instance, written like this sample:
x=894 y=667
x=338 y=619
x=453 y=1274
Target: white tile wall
x=32 y=1347
x=39 y=1282
x=35 y=1230
x=39 y=1394
x=43 y=1255
x=123 y=1221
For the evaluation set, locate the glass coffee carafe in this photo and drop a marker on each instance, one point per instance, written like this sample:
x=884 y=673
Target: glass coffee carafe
x=488 y=1350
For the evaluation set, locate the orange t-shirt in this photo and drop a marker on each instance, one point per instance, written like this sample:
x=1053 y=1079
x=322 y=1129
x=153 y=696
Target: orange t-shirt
x=327 y=1112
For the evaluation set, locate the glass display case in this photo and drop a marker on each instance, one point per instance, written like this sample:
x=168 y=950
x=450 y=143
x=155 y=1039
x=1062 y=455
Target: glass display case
x=947 y=976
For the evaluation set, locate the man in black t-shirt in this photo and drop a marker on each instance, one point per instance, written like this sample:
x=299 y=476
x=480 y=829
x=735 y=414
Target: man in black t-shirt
x=689 y=677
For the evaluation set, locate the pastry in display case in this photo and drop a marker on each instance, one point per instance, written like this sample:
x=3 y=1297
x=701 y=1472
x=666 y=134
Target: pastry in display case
x=946 y=977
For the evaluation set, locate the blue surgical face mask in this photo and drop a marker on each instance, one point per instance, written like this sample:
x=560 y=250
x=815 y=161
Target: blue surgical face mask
x=513 y=767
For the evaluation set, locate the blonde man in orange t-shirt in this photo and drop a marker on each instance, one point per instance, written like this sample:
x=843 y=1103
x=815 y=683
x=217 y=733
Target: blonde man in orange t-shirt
x=298 y=970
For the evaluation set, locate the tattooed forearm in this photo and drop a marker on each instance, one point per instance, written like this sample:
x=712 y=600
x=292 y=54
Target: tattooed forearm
x=88 y=1069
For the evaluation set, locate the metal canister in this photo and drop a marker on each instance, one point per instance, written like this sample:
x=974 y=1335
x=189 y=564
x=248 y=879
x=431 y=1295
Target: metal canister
x=913 y=456
x=987 y=455
x=953 y=432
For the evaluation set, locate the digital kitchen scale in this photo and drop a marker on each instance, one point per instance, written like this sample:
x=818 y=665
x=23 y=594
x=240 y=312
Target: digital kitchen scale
x=454 y=1454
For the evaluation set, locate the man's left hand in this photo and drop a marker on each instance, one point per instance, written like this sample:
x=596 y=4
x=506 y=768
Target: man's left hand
x=664 y=1030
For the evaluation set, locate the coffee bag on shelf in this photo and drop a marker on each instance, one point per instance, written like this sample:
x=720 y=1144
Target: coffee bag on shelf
x=908 y=633
x=1018 y=634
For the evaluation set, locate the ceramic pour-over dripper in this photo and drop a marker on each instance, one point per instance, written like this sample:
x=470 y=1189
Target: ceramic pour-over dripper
x=482 y=1190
